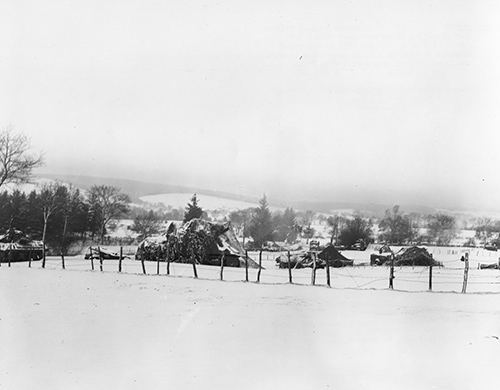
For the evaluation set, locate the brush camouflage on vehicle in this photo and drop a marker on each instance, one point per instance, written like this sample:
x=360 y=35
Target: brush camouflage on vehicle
x=15 y=246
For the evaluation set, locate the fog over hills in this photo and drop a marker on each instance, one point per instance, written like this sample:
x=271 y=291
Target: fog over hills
x=285 y=105
x=138 y=189
x=339 y=104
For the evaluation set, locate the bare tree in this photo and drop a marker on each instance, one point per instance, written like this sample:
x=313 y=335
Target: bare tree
x=336 y=223
x=48 y=200
x=442 y=228
x=106 y=203
x=147 y=224
x=355 y=230
x=16 y=164
x=396 y=227
x=240 y=220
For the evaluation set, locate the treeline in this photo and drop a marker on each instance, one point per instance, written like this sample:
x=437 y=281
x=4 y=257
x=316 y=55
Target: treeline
x=399 y=228
x=59 y=214
x=263 y=226
x=259 y=223
x=395 y=227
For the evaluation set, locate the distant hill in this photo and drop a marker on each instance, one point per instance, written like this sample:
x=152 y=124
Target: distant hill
x=138 y=189
x=207 y=202
x=374 y=209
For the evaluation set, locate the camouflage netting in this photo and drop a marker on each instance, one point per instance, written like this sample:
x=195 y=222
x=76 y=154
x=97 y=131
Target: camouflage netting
x=334 y=257
x=415 y=256
x=199 y=245
x=151 y=248
x=101 y=253
x=297 y=261
x=328 y=255
x=160 y=247
x=15 y=236
x=382 y=256
x=203 y=241
x=17 y=246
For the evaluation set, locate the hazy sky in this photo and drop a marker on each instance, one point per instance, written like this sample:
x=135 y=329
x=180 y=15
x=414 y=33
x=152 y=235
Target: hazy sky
x=389 y=100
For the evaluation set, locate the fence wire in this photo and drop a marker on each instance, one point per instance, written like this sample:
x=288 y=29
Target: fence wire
x=448 y=277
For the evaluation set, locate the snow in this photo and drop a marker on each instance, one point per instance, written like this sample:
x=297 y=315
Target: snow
x=206 y=202
x=121 y=228
x=130 y=331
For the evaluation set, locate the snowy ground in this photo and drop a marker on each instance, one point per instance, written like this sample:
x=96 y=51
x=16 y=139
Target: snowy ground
x=448 y=278
x=207 y=202
x=78 y=329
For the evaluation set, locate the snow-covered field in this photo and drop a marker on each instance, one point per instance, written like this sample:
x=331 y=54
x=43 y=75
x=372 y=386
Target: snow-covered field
x=81 y=329
x=207 y=202
x=448 y=278
x=122 y=229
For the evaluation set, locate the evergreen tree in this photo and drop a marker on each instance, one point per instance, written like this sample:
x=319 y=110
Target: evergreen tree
x=34 y=213
x=193 y=210
x=261 y=226
x=4 y=211
x=18 y=210
x=68 y=214
x=71 y=205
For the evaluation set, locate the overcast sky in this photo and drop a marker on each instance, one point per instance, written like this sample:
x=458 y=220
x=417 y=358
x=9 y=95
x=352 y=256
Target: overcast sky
x=390 y=101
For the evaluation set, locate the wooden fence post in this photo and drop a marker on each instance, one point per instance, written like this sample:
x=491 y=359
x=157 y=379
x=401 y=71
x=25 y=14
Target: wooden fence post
x=195 y=272
x=62 y=260
x=289 y=268
x=430 y=277
x=29 y=259
x=100 y=257
x=328 y=274
x=143 y=265
x=10 y=253
x=246 y=266
x=391 y=274
x=260 y=266
x=313 y=272
x=222 y=266
x=92 y=258
x=466 y=273
x=43 y=254
x=158 y=265
x=168 y=261
x=120 y=260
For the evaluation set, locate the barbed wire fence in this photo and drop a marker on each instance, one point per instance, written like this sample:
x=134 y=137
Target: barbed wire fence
x=451 y=276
